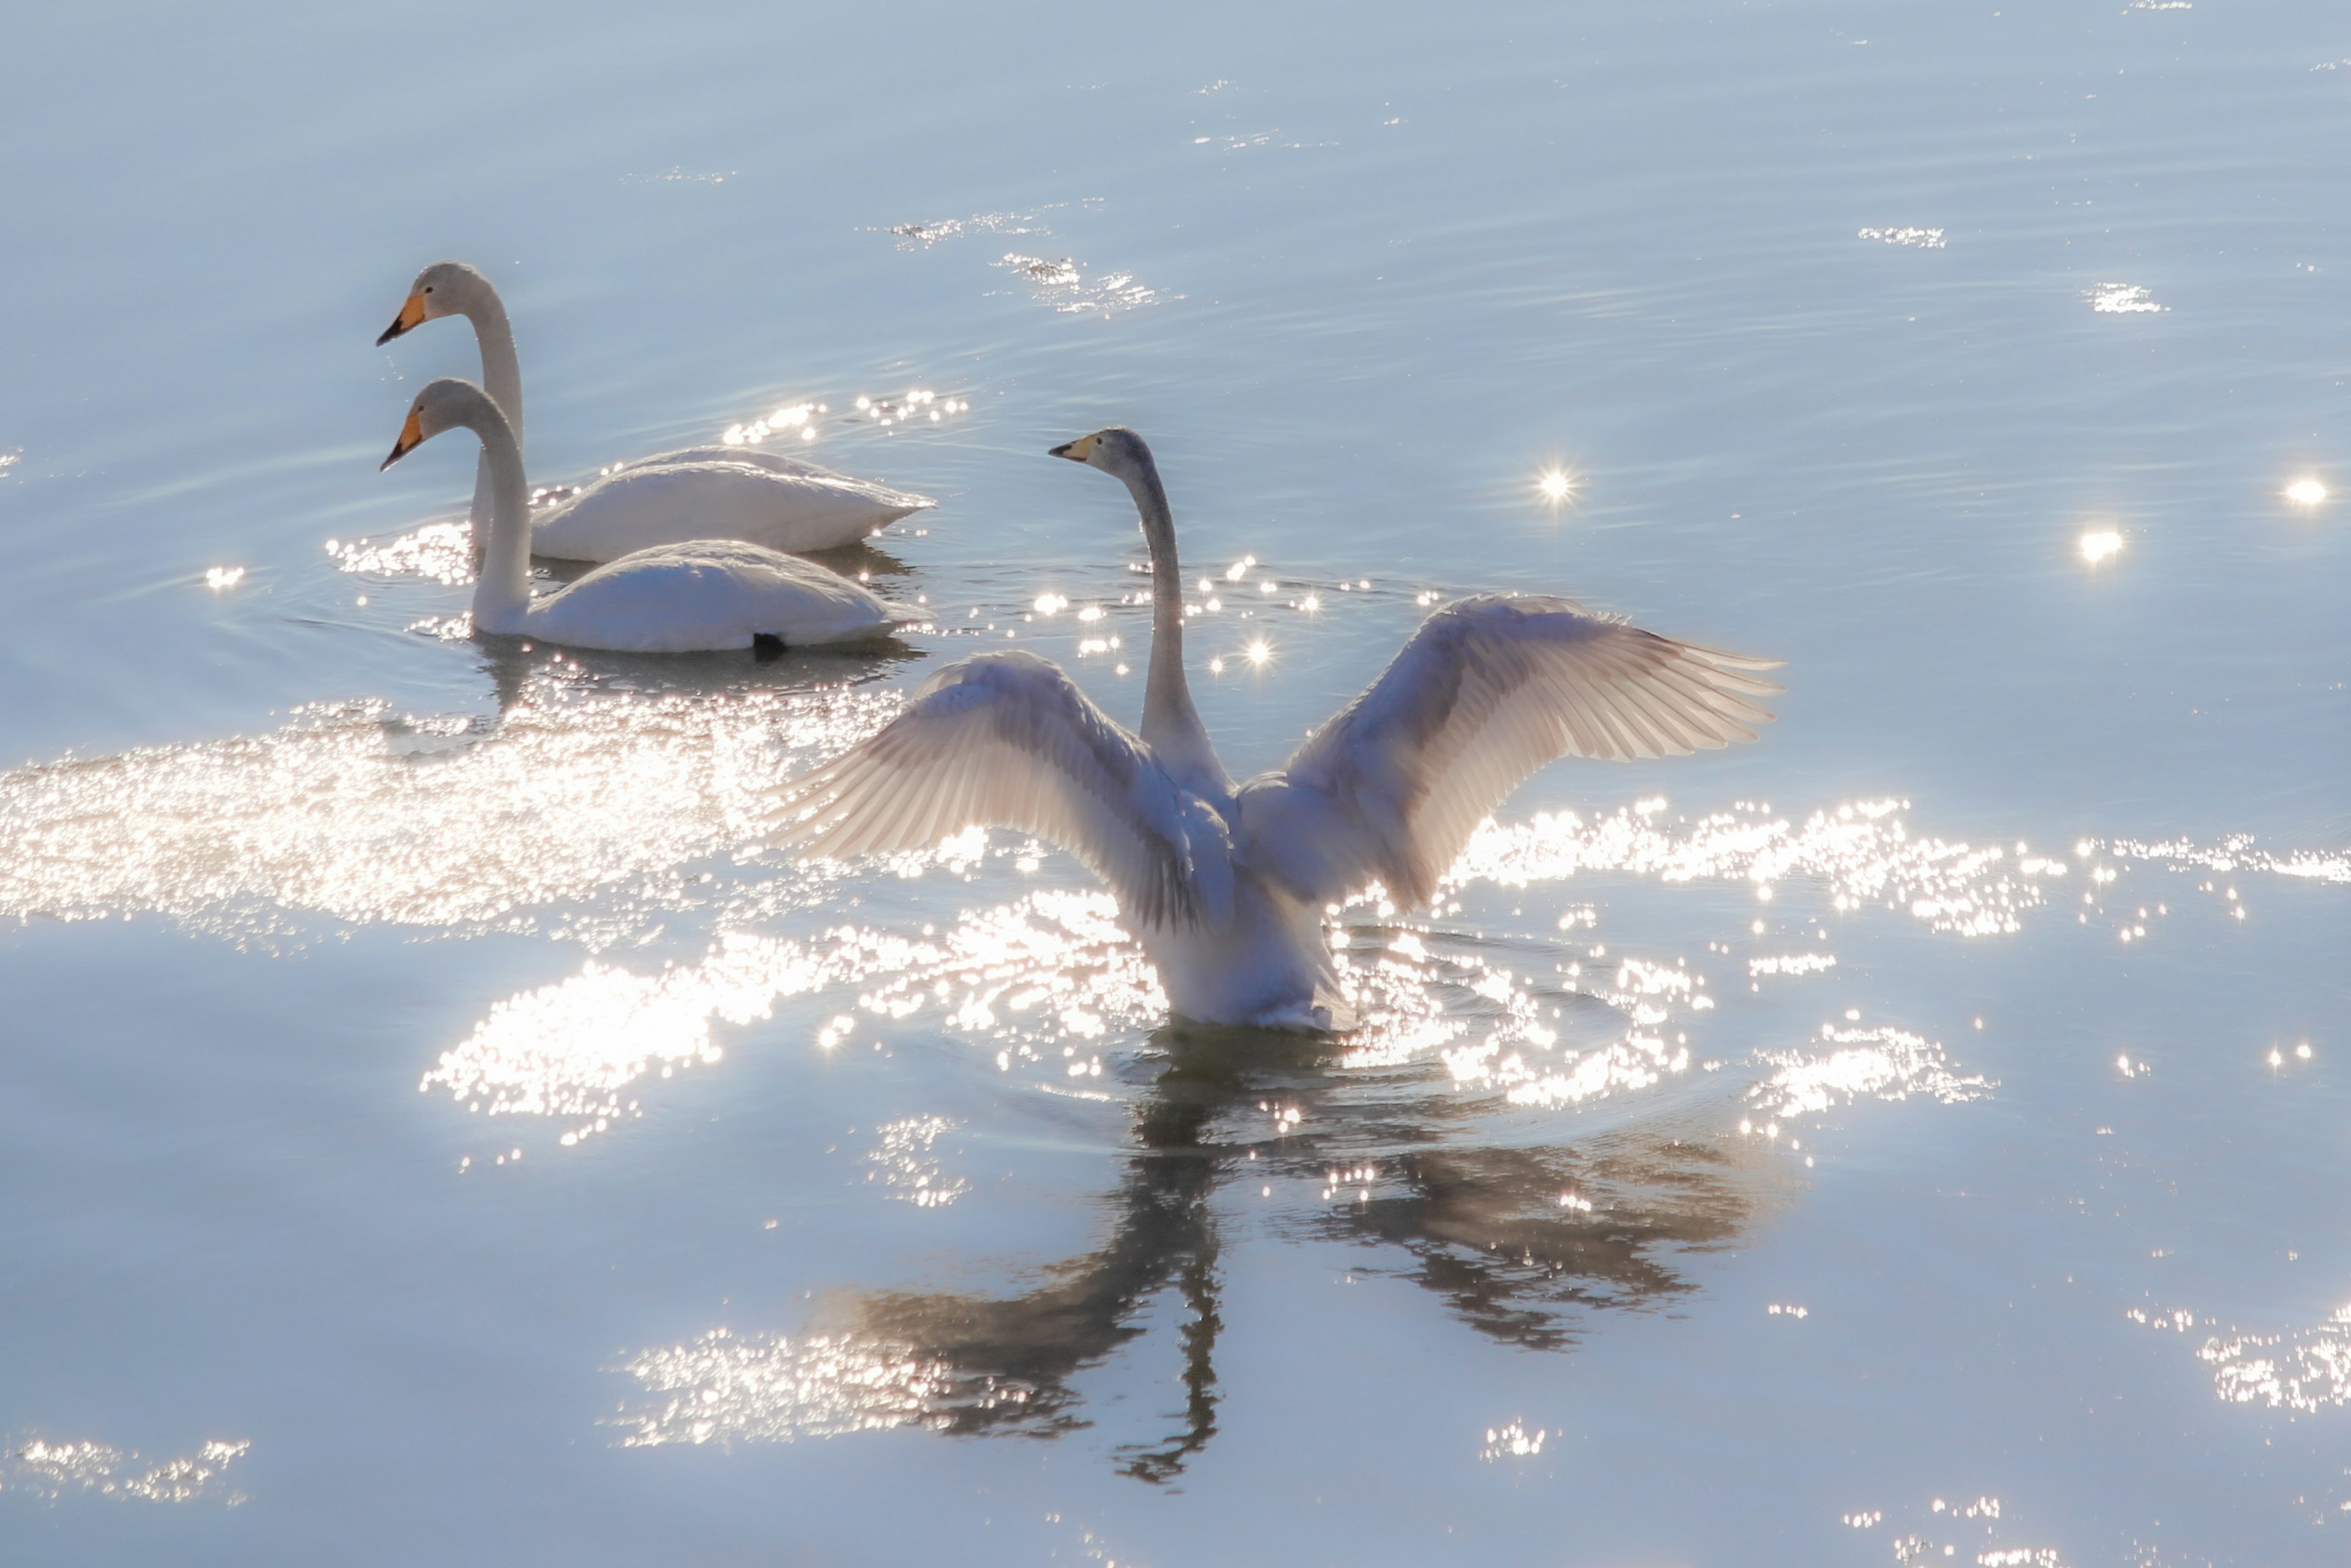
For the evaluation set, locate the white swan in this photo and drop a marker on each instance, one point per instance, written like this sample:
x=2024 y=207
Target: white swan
x=712 y=492
x=1225 y=887
x=671 y=598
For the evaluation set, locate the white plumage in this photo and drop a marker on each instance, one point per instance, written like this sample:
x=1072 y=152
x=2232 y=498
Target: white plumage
x=1008 y=738
x=1225 y=886
x=746 y=493
x=670 y=501
x=700 y=595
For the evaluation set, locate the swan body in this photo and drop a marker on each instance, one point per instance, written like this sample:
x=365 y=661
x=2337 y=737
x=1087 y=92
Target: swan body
x=672 y=500
x=687 y=597
x=1225 y=885
x=714 y=491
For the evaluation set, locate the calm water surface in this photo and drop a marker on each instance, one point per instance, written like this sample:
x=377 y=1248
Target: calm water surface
x=436 y=1130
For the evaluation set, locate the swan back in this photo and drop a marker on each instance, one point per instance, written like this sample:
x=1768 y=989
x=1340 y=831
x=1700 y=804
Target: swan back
x=672 y=502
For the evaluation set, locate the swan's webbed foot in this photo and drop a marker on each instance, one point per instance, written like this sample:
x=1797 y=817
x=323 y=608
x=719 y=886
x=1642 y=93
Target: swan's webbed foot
x=766 y=645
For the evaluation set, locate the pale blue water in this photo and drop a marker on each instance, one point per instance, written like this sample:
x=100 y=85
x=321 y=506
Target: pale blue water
x=293 y=881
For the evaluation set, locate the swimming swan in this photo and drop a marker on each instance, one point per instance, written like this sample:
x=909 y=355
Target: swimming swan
x=671 y=598
x=712 y=492
x=1225 y=887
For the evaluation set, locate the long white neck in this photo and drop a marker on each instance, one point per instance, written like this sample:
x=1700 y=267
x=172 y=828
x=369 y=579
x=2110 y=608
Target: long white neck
x=501 y=378
x=502 y=593
x=1171 y=725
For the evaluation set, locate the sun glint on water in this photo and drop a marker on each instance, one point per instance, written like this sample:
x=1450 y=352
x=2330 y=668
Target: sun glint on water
x=2101 y=544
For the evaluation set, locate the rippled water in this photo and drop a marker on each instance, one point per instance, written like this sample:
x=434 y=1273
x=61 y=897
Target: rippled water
x=439 y=1128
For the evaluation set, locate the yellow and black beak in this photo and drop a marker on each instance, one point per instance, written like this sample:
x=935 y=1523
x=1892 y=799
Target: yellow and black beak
x=412 y=315
x=1076 y=451
x=411 y=436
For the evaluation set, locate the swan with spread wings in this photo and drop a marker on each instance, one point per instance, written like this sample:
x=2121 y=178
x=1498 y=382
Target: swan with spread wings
x=1225 y=885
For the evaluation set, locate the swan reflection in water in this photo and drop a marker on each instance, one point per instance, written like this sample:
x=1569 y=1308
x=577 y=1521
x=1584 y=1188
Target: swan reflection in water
x=1515 y=1241
x=525 y=671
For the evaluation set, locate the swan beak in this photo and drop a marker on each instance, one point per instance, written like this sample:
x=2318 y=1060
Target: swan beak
x=1076 y=451
x=411 y=436
x=412 y=315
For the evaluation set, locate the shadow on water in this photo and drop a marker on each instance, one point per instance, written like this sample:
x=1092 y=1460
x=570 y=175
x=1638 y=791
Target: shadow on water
x=1514 y=1242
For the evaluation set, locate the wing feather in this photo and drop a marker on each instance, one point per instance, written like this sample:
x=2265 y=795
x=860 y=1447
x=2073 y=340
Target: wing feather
x=1007 y=739
x=1489 y=690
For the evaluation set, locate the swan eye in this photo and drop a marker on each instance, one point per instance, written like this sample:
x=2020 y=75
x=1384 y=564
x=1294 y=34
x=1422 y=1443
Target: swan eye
x=428 y=289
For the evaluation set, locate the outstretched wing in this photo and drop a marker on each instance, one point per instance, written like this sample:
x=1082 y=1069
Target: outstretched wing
x=1007 y=740
x=1487 y=690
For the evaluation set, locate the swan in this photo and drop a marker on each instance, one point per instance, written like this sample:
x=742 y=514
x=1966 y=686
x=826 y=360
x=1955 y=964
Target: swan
x=670 y=598
x=1225 y=886
x=693 y=493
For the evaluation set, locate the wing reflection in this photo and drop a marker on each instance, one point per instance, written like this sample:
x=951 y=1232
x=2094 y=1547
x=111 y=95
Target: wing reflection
x=1492 y=1238
x=1514 y=1242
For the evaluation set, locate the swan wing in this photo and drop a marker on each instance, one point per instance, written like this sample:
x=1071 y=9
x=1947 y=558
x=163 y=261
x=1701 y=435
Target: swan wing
x=1489 y=689
x=1007 y=739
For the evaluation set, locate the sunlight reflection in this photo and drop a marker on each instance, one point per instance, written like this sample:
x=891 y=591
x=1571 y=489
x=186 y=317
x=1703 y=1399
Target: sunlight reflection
x=2122 y=300
x=902 y=1162
x=1862 y=853
x=771 y=1389
x=924 y=236
x=1027 y=975
x=2305 y=492
x=2235 y=852
x=1512 y=1442
x=2306 y=1370
x=1042 y=981
x=364 y=817
x=1064 y=285
x=2101 y=544
x=920 y=405
x=1867 y=1063
x=52 y=1471
x=1979 y=1523
x=437 y=552
x=1923 y=239
x=1792 y=964
x=569 y=1049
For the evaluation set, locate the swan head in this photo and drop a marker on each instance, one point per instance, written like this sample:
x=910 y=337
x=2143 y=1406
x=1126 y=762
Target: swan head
x=443 y=405
x=1117 y=451
x=444 y=288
